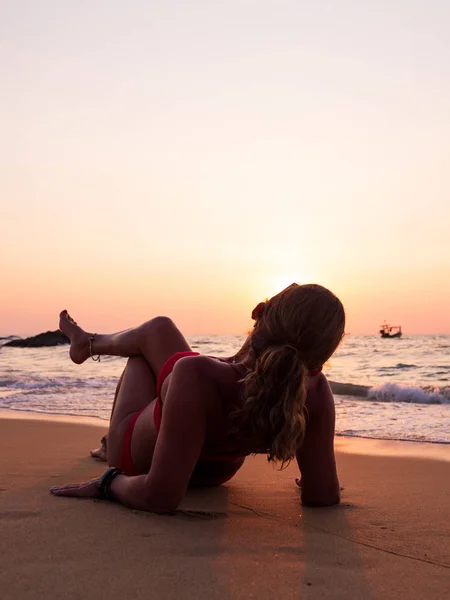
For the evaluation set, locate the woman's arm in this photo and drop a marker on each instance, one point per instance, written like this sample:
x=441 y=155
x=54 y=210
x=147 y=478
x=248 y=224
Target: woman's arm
x=315 y=457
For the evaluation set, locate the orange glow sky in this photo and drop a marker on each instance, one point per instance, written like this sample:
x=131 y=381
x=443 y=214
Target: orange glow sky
x=193 y=158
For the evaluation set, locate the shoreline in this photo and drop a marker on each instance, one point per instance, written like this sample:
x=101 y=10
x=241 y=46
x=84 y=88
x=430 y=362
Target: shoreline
x=363 y=446
x=28 y=415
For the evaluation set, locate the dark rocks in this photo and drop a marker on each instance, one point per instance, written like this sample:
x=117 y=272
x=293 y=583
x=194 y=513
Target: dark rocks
x=49 y=338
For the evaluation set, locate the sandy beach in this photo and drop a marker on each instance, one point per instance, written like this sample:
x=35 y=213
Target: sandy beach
x=390 y=538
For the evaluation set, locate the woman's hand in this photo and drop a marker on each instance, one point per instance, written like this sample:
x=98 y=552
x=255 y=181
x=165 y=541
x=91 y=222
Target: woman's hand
x=89 y=489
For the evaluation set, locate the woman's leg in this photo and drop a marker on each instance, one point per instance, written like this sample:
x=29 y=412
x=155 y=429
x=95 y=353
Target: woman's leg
x=101 y=453
x=156 y=340
x=136 y=392
x=153 y=343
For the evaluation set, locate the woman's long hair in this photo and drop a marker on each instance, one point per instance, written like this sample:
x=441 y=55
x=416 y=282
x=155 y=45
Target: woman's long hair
x=296 y=332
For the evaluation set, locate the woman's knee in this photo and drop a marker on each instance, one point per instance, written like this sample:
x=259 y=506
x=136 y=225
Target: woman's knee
x=159 y=339
x=163 y=332
x=159 y=326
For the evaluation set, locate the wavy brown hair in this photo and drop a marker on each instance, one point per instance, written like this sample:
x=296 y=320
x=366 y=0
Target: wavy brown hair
x=296 y=332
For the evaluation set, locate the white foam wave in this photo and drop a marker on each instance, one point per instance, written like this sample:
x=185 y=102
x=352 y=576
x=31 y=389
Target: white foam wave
x=391 y=392
x=40 y=384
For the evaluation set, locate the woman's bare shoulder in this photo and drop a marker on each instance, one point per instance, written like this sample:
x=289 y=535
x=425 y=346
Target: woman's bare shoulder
x=319 y=396
x=206 y=366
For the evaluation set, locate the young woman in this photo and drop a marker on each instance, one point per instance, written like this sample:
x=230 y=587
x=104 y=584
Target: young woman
x=183 y=419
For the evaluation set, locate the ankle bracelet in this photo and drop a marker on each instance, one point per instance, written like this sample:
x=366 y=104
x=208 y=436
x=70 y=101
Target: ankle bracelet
x=91 y=342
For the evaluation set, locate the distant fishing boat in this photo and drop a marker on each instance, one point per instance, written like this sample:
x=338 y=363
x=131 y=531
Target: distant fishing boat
x=390 y=331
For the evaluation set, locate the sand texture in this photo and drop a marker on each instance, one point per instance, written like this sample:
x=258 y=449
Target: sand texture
x=390 y=538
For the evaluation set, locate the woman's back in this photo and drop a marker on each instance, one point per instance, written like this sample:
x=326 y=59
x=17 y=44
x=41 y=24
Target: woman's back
x=225 y=444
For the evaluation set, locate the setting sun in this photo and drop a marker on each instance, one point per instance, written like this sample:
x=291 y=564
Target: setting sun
x=279 y=281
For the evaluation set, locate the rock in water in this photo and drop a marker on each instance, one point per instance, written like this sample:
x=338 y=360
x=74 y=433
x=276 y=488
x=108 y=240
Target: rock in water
x=49 y=338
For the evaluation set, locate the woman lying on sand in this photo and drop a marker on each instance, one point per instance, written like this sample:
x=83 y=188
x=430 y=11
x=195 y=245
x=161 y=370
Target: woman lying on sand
x=183 y=419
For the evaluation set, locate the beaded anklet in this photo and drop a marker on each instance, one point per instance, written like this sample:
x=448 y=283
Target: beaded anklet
x=91 y=343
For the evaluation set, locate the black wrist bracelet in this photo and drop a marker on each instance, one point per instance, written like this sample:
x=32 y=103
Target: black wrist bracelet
x=105 y=482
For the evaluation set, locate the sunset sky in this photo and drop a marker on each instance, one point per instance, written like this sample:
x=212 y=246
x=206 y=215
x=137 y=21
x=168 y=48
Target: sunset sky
x=192 y=158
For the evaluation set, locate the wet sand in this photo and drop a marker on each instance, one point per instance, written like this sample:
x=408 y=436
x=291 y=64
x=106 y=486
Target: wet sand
x=390 y=537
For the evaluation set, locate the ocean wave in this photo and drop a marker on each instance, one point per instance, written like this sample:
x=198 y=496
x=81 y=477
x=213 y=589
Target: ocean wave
x=392 y=392
x=399 y=366
x=27 y=384
x=389 y=392
x=42 y=384
x=7 y=382
x=392 y=438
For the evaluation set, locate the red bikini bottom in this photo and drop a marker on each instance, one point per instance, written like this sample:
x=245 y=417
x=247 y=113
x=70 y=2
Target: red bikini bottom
x=209 y=470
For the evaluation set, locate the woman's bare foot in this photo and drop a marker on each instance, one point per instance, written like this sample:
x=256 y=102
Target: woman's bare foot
x=100 y=453
x=79 y=339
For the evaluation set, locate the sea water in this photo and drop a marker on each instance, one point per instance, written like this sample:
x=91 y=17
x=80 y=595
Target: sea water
x=402 y=393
